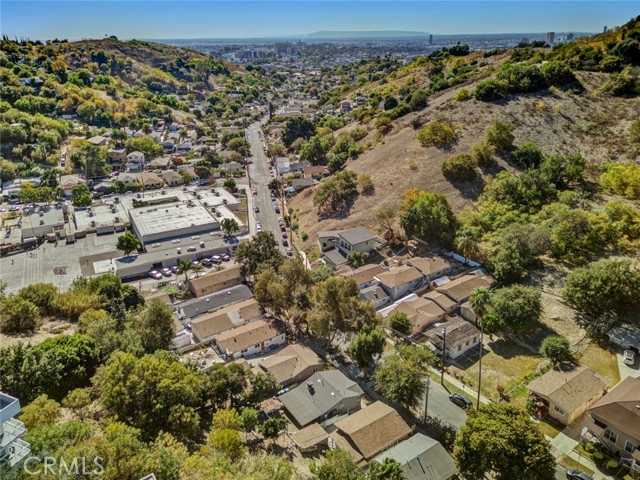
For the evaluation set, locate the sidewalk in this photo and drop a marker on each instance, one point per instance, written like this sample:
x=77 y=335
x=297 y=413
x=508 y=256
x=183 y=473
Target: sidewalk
x=465 y=388
x=562 y=444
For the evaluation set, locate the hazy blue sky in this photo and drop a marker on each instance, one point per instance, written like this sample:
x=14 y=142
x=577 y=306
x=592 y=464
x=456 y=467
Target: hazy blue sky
x=202 y=19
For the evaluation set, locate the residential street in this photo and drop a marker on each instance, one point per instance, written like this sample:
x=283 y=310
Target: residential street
x=440 y=406
x=259 y=179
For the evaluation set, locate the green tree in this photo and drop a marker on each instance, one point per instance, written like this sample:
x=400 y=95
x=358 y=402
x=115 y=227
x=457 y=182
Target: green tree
x=144 y=144
x=297 y=127
x=357 y=259
x=42 y=295
x=386 y=219
x=506 y=263
x=333 y=193
x=18 y=315
x=272 y=427
x=608 y=285
x=78 y=400
x=366 y=344
x=429 y=217
x=248 y=419
x=156 y=326
x=527 y=155
x=518 y=307
x=390 y=469
x=259 y=253
x=81 y=196
x=93 y=160
x=315 y=151
x=556 y=349
x=480 y=301
x=461 y=166
x=500 y=135
x=41 y=412
x=399 y=322
x=184 y=265
x=483 y=153
x=228 y=226
x=227 y=441
x=337 y=464
x=128 y=242
x=230 y=184
x=261 y=387
x=440 y=133
x=503 y=442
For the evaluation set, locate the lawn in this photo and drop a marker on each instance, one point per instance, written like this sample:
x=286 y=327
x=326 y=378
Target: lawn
x=569 y=462
x=602 y=361
x=549 y=429
x=505 y=363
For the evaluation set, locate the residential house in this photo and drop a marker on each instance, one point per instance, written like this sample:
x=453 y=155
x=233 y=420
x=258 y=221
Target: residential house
x=149 y=180
x=323 y=396
x=232 y=167
x=201 y=305
x=431 y=267
x=296 y=167
x=626 y=337
x=249 y=339
x=376 y=295
x=135 y=161
x=293 y=364
x=336 y=245
x=345 y=106
x=169 y=146
x=98 y=141
x=421 y=312
x=283 y=165
x=421 y=458
x=160 y=162
x=172 y=178
x=614 y=420
x=315 y=171
x=458 y=335
x=12 y=448
x=309 y=438
x=206 y=326
x=184 y=147
x=103 y=187
x=128 y=179
x=364 y=276
x=117 y=157
x=299 y=184
x=461 y=288
x=399 y=281
x=68 y=182
x=444 y=302
x=215 y=280
x=368 y=432
x=565 y=392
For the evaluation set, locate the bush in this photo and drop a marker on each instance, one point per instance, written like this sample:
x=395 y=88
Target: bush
x=462 y=95
x=489 y=90
x=461 y=166
x=622 y=179
x=528 y=155
x=623 y=84
x=440 y=133
x=18 y=315
x=634 y=131
x=557 y=73
x=612 y=466
x=483 y=153
x=522 y=78
x=500 y=135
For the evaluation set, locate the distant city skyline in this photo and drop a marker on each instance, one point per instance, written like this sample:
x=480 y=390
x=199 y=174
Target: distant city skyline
x=166 y=19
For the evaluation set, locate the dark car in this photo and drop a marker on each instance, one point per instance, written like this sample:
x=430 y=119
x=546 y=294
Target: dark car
x=576 y=475
x=460 y=400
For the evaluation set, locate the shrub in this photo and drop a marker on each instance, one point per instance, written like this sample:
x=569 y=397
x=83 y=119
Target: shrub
x=623 y=84
x=634 y=132
x=489 y=90
x=462 y=95
x=557 y=73
x=461 y=166
x=500 y=135
x=528 y=155
x=440 y=133
x=483 y=153
x=522 y=78
x=622 y=179
x=612 y=466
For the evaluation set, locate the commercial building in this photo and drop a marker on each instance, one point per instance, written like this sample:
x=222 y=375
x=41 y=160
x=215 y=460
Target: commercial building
x=44 y=221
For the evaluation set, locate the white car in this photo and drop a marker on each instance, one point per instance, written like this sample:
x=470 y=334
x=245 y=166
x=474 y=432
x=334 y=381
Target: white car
x=629 y=357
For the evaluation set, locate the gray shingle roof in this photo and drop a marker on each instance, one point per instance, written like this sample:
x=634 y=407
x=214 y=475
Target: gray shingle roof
x=329 y=389
x=357 y=235
x=198 y=306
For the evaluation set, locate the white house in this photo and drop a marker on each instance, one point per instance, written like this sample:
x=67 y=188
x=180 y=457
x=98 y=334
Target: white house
x=249 y=339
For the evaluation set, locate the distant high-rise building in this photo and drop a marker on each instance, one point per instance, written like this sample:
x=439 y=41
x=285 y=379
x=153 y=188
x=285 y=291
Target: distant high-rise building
x=551 y=36
x=605 y=29
x=524 y=40
x=431 y=39
x=570 y=36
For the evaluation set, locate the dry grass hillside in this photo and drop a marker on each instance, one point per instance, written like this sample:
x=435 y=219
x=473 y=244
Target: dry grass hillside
x=592 y=123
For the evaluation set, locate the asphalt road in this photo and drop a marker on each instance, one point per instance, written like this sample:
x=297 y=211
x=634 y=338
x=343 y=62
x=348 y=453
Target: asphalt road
x=259 y=178
x=440 y=406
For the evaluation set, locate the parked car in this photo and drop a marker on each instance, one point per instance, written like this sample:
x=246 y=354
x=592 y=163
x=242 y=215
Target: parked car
x=460 y=400
x=206 y=262
x=254 y=191
x=225 y=257
x=285 y=242
x=256 y=209
x=289 y=252
x=155 y=275
x=284 y=235
x=175 y=269
x=576 y=475
x=166 y=272
x=277 y=209
x=629 y=357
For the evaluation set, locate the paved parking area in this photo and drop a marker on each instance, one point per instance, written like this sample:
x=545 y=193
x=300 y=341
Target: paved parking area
x=49 y=263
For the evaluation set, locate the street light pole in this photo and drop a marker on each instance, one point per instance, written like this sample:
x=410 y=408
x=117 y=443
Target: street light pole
x=426 y=400
x=480 y=365
x=444 y=343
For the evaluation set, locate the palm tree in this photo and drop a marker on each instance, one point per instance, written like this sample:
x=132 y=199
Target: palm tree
x=480 y=300
x=198 y=268
x=184 y=266
x=466 y=243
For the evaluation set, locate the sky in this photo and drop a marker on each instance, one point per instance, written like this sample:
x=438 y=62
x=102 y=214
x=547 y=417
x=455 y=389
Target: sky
x=173 y=19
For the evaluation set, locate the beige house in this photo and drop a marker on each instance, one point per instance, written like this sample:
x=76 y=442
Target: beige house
x=421 y=312
x=357 y=239
x=215 y=281
x=399 y=281
x=206 y=326
x=172 y=178
x=293 y=364
x=149 y=180
x=249 y=339
x=565 y=392
x=444 y=302
x=614 y=420
x=460 y=289
x=370 y=431
x=364 y=276
x=458 y=335
x=431 y=267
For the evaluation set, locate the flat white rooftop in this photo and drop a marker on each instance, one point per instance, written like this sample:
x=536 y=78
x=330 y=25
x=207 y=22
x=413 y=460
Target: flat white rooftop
x=174 y=217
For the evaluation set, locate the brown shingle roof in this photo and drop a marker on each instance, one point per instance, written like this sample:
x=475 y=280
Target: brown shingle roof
x=457 y=331
x=225 y=318
x=441 y=299
x=461 y=288
x=216 y=277
x=399 y=276
x=429 y=265
x=241 y=338
x=363 y=274
x=568 y=386
x=309 y=436
x=374 y=428
x=290 y=362
x=621 y=407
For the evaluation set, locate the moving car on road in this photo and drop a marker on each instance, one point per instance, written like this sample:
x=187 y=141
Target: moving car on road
x=460 y=400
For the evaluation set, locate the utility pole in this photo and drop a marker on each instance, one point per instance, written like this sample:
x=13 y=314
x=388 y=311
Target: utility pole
x=480 y=364
x=426 y=400
x=444 y=343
